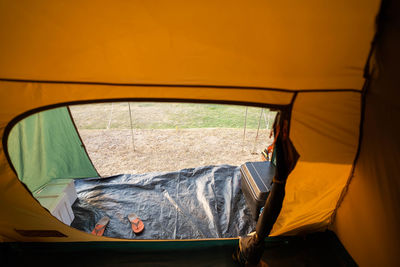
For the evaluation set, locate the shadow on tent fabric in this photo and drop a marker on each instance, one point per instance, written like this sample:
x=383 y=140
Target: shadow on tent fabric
x=318 y=249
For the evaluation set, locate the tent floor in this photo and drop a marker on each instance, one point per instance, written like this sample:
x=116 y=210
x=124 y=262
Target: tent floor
x=318 y=249
x=193 y=203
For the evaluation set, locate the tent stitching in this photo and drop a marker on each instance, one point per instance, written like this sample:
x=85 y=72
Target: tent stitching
x=367 y=75
x=180 y=85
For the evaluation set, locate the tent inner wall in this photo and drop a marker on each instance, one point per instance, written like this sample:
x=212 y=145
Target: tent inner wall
x=324 y=129
x=368 y=220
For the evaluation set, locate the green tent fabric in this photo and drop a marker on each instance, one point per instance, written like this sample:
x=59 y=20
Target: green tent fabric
x=46 y=146
x=317 y=249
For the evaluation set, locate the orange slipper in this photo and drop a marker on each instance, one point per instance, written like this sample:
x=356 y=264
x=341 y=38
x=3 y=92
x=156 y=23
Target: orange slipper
x=137 y=224
x=100 y=226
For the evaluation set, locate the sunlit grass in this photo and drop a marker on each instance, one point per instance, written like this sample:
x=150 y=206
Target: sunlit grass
x=169 y=115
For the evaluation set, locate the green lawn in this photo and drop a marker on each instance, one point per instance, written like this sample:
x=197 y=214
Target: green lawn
x=168 y=115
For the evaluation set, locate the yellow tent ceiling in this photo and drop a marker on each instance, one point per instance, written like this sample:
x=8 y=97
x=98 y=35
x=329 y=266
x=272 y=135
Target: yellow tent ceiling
x=278 y=44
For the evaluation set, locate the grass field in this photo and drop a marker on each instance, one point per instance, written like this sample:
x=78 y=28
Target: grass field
x=169 y=116
x=170 y=136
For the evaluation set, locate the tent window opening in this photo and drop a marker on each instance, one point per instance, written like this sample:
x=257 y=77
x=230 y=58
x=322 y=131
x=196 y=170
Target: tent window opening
x=143 y=170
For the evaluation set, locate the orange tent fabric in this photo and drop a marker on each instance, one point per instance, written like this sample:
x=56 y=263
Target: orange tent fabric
x=307 y=54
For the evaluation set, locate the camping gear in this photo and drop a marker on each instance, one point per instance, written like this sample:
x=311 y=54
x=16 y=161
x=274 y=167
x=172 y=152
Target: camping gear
x=256 y=182
x=100 y=226
x=137 y=224
x=57 y=196
x=266 y=154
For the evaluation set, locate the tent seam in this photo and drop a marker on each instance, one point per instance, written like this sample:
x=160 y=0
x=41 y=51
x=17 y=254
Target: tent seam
x=367 y=75
x=350 y=178
x=181 y=86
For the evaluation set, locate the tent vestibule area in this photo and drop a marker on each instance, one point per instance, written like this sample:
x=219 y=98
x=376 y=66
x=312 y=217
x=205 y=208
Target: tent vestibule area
x=51 y=153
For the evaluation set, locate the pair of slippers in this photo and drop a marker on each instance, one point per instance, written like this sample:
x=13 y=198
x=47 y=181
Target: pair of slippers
x=137 y=224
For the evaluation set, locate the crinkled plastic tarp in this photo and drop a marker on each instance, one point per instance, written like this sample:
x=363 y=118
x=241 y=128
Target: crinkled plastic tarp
x=204 y=202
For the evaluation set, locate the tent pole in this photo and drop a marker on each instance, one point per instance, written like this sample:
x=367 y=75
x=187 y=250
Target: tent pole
x=245 y=123
x=130 y=116
x=244 y=129
x=251 y=247
x=258 y=129
x=268 y=130
x=267 y=120
x=109 y=121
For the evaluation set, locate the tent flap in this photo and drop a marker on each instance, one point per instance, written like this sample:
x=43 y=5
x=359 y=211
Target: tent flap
x=46 y=146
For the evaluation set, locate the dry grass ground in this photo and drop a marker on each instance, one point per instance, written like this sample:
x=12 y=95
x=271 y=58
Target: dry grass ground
x=169 y=150
x=169 y=136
